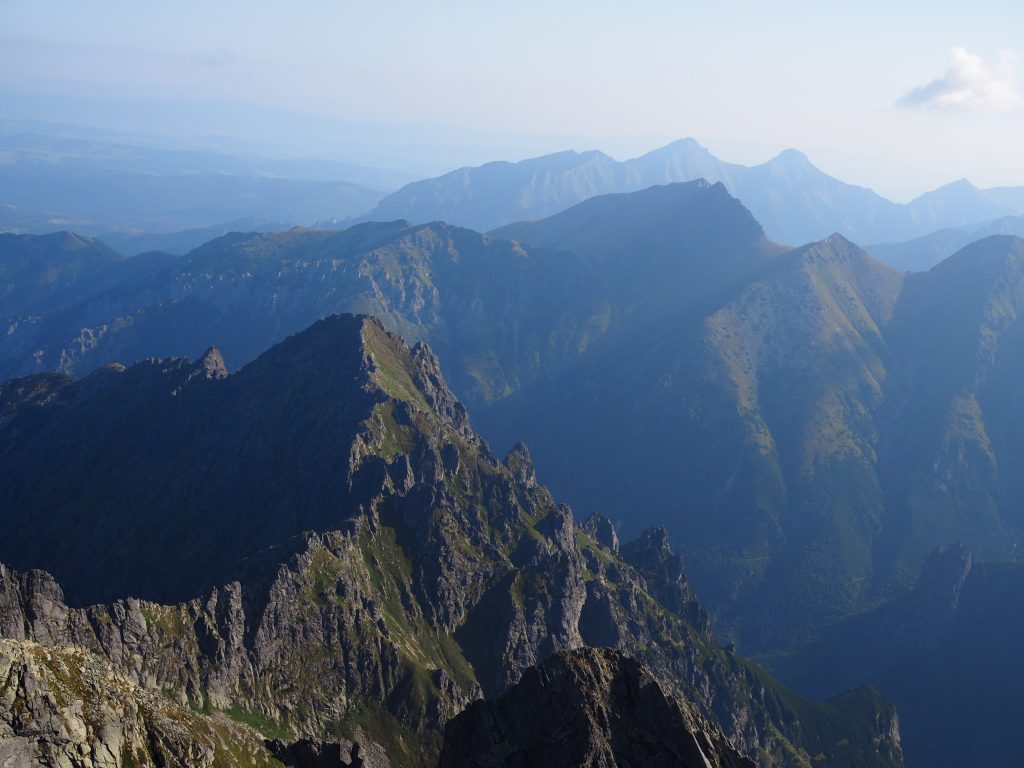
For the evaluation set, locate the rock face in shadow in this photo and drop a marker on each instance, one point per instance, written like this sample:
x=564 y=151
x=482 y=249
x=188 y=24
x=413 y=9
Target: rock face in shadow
x=948 y=654
x=588 y=707
x=313 y=753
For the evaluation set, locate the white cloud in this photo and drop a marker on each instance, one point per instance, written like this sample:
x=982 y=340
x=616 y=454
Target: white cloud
x=970 y=84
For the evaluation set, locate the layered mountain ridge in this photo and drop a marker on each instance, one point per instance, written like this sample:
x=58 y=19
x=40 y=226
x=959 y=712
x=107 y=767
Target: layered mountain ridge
x=667 y=363
x=923 y=253
x=794 y=200
x=374 y=570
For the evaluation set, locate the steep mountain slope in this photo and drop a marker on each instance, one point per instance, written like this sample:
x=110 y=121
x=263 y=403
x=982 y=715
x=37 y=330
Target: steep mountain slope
x=583 y=708
x=333 y=551
x=813 y=437
x=794 y=201
x=759 y=419
x=948 y=654
x=956 y=457
x=662 y=251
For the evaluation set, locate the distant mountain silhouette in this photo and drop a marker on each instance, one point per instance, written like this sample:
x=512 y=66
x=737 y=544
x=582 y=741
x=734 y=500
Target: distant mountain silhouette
x=923 y=253
x=794 y=201
x=41 y=273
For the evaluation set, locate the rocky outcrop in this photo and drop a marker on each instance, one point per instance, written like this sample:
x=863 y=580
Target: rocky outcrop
x=652 y=555
x=589 y=707
x=67 y=708
x=603 y=531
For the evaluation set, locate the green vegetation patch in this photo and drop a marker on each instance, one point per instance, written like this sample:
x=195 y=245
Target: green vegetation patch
x=272 y=729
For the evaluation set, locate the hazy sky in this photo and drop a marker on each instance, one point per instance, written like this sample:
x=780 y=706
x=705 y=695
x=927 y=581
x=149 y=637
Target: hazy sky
x=898 y=99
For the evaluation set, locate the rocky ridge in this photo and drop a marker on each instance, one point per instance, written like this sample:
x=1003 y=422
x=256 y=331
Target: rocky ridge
x=427 y=574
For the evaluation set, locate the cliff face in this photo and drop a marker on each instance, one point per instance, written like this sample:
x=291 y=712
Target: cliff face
x=345 y=559
x=589 y=707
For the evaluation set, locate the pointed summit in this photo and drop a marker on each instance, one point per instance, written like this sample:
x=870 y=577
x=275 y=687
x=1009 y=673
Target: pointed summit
x=211 y=365
x=520 y=463
x=792 y=157
x=277 y=448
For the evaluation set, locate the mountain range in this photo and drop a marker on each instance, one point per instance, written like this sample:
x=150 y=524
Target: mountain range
x=794 y=201
x=138 y=198
x=320 y=547
x=809 y=422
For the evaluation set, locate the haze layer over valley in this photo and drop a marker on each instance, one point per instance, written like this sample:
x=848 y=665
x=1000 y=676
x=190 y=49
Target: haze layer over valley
x=384 y=385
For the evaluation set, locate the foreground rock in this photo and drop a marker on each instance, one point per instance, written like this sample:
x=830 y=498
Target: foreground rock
x=590 y=707
x=66 y=708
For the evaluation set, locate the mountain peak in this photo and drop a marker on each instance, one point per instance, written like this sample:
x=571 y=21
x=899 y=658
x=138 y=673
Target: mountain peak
x=209 y=367
x=344 y=348
x=688 y=145
x=955 y=192
x=837 y=239
x=252 y=458
x=833 y=249
x=791 y=157
x=211 y=364
x=959 y=184
x=666 y=216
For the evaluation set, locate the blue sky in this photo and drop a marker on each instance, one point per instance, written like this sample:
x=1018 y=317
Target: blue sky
x=899 y=99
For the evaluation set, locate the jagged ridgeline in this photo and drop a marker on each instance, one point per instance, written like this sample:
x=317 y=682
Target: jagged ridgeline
x=320 y=546
x=809 y=423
